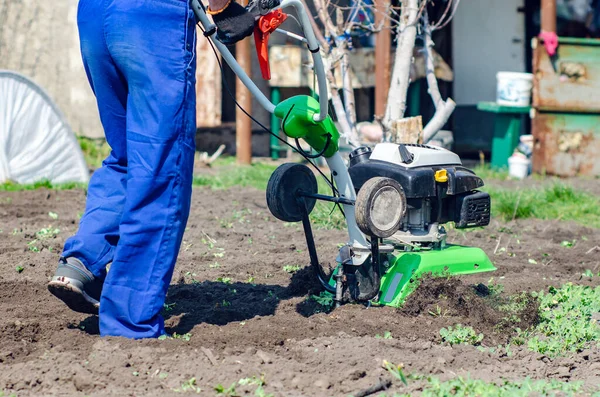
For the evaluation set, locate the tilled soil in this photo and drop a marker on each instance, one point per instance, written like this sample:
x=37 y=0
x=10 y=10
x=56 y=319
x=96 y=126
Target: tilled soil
x=248 y=317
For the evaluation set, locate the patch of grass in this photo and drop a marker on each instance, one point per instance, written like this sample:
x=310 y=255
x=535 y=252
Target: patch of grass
x=467 y=387
x=486 y=172
x=327 y=216
x=459 y=334
x=94 y=151
x=569 y=320
x=515 y=305
x=44 y=184
x=227 y=176
x=558 y=201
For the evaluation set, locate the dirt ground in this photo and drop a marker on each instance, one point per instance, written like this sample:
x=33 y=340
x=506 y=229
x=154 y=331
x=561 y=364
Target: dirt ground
x=260 y=321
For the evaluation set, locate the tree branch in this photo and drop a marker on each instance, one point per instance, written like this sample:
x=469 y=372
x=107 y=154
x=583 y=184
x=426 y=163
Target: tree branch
x=434 y=90
x=443 y=110
x=407 y=31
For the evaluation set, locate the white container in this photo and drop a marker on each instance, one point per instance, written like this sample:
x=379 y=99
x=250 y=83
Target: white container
x=514 y=89
x=519 y=167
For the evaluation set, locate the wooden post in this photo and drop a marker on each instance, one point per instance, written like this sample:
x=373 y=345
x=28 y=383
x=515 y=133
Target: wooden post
x=383 y=46
x=208 y=86
x=548 y=11
x=243 y=124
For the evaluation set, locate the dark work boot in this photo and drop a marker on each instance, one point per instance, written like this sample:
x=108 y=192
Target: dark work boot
x=76 y=286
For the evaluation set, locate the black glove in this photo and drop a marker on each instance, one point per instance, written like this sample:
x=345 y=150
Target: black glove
x=234 y=23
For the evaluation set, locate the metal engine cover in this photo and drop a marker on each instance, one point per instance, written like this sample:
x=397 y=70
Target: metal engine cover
x=423 y=155
x=416 y=173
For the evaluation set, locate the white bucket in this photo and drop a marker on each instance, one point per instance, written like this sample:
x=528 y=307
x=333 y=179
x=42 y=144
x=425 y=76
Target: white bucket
x=514 y=89
x=519 y=167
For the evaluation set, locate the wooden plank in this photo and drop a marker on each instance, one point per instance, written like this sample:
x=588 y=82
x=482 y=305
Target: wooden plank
x=243 y=130
x=208 y=85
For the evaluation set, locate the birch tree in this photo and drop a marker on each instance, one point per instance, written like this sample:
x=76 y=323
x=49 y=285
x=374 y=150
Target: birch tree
x=411 y=22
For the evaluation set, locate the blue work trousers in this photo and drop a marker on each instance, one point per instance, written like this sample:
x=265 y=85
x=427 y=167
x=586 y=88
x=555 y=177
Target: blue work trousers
x=139 y=56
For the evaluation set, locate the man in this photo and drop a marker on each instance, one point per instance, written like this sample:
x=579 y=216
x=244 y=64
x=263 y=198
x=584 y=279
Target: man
x=139 y=57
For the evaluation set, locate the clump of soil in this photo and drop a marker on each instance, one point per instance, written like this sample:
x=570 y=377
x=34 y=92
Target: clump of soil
x=496 y=315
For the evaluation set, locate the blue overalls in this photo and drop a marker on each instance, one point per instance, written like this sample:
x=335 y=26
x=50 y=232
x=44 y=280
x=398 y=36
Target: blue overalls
x=139 y=56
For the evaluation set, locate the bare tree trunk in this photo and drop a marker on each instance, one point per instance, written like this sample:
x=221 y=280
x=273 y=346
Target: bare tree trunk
x=432 y=84
x=407 y=33
x=349 y=101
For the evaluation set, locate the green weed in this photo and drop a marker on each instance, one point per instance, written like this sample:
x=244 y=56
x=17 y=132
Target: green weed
x=254 y=381
x=467 y=387
x=438 y=312
x=386 y=335
x=47 y=233
x=189 y=386
x=324 y=299
x=395 y=371
x=588 y=273
x=224 y=280
x=175 y=335
x=568 y=320
x=32 y=246
x=460 y=335
x=229 y=391
x=291 y=268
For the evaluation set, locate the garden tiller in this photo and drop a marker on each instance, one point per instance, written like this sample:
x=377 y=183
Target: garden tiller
x=395 y=197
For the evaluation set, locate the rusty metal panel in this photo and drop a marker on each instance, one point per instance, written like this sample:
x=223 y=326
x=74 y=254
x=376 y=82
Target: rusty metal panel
x=571 y=81
x=566 y=144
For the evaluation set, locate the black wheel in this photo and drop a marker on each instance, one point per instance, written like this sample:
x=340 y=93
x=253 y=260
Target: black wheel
x=284 y=184
x=380 y=207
